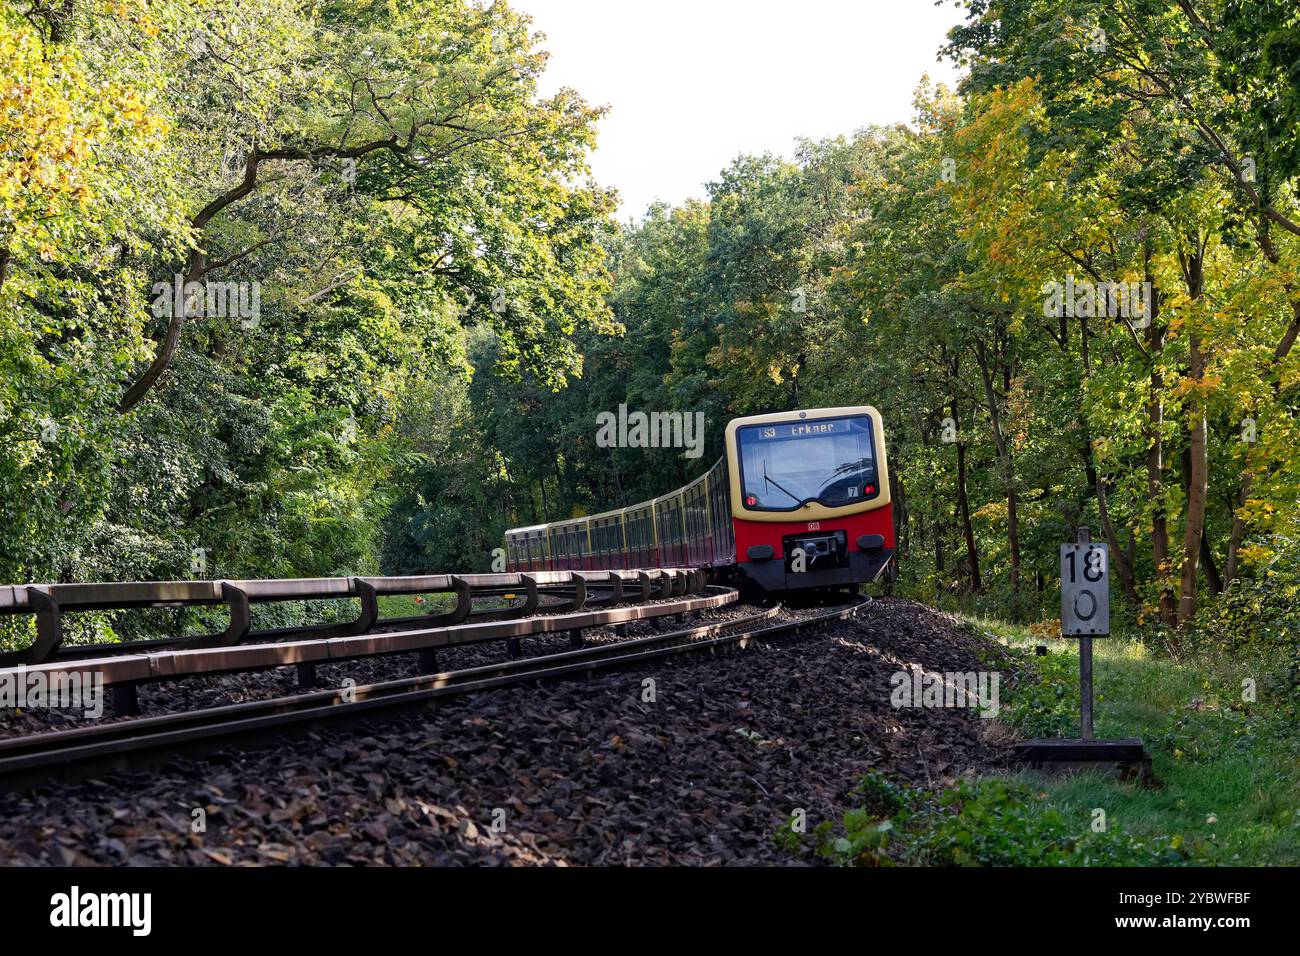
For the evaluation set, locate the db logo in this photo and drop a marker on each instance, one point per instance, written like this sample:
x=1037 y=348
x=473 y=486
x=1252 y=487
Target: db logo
x=814 y=525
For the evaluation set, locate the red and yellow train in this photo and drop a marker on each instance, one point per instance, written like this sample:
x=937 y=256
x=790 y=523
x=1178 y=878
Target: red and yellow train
x=800 y=500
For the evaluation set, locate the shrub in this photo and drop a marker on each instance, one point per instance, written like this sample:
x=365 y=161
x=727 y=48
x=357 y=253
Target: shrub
x=1260 y=611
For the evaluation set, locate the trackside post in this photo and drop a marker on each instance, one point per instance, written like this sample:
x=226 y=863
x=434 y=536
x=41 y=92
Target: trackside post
x=1085 y=614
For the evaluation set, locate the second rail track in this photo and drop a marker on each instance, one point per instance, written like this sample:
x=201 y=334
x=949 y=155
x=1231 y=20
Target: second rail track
x=151 y=741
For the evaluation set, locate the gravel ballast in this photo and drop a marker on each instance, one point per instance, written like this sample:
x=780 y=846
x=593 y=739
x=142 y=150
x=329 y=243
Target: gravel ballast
x=687 y=761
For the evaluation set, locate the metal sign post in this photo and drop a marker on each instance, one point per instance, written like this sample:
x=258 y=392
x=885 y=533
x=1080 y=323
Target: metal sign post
x=1085 y=609
x=1085 y=614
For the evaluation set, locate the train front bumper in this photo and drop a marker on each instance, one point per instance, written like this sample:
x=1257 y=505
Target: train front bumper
x=862 y=567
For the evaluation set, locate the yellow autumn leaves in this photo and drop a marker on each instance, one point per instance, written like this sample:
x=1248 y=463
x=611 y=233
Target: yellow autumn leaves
x=58 y=122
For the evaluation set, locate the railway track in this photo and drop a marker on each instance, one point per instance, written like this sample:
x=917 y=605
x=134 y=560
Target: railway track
x=149 y=742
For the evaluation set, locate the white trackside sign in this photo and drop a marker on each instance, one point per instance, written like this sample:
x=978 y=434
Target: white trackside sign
x=1085 y=590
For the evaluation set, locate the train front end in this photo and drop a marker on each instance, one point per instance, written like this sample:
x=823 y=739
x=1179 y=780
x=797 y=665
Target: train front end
x=810 y=498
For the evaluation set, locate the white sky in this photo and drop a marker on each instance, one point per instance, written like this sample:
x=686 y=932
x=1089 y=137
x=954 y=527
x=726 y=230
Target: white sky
x=693 y=83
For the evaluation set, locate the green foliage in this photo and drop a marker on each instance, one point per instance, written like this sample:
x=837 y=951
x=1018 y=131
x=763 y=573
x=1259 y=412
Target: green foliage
x=390 y=180
x=879 y=796
x=1044 y=698
x=1259 y=612
x=1222 y=726
x=446 y=306
x=988 y=823
x=998 y=823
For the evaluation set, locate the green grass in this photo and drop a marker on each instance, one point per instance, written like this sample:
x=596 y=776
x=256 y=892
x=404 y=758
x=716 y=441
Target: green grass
x=406 y=605
x=1228 y=770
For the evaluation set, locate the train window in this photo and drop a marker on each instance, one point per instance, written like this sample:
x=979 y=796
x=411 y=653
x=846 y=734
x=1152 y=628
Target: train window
x=785 y=465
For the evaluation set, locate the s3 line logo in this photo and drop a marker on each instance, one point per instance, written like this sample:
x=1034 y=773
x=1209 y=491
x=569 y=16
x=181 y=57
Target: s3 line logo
x=814 y=525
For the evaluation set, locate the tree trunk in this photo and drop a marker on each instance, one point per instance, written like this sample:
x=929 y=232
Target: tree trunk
x=1120 y=561
x=1005 y=465
x=1196 y=494
x=1117 y=558
x=60 y=20
x=561 y=491
x=197 y=266
x=1159 y=519
x=936 y=525
x=1194 y=526
x=939 y=558
x=963 y=506
x=1289 y=337
x=171 y=341
x=1212 y=578
x=1155 y=409
x=1238 y=533
x=902 y=519
x=1207 y=562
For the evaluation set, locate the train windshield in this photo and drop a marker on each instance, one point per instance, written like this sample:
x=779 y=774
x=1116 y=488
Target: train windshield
x=828 y=460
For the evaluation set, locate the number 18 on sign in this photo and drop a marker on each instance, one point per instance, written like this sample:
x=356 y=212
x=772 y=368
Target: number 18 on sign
x=1085 y=589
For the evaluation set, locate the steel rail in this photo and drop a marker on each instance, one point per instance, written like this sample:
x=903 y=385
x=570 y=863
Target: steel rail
x=124 y=673
x=76 y=754
x=12 y=744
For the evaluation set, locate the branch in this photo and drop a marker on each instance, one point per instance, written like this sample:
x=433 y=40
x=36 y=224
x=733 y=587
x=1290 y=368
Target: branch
x=198 y=265
x=230 y=260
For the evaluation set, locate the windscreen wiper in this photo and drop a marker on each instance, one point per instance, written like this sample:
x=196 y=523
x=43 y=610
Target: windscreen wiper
x=769 y=481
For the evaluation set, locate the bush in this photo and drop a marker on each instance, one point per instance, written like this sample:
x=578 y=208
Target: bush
x=1261 y=611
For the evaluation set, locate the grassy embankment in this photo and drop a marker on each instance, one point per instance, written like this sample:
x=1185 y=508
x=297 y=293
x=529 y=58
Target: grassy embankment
x=1222 y=725
x=1227 y=766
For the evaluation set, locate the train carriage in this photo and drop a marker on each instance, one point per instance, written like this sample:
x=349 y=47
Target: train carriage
x=800 y=500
